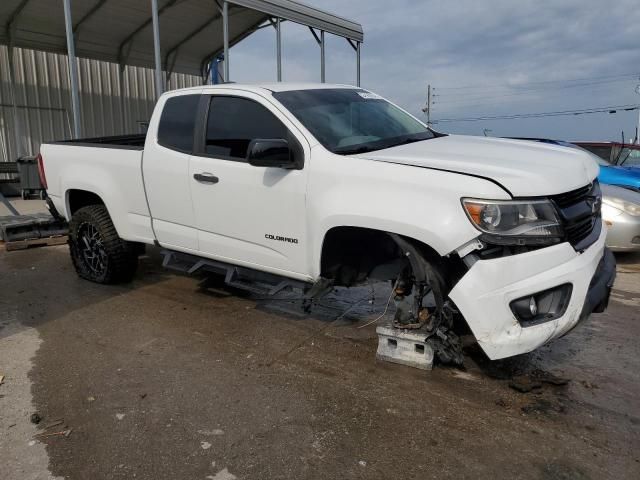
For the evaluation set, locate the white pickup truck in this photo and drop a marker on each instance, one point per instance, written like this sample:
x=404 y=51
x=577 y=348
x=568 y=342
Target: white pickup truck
x=332 y=185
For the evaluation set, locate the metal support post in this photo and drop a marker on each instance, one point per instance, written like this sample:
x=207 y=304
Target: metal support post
x=279 y=49
x=322 y=68
x=17 y=128
x=358 y=64
x=156 y=48
x=123 y=112
x=225 y=38
x=73 y=69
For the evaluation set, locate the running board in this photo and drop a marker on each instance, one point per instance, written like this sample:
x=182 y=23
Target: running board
x=254 y=281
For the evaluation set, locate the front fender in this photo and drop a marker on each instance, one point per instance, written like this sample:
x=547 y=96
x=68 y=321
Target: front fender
x=418 y=203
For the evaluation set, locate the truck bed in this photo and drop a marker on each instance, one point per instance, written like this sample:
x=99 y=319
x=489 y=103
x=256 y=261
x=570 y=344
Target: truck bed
x=108 y=167
x=130 y=142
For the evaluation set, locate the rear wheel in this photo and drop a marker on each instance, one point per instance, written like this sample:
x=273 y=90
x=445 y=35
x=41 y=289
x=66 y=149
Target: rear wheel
x=97 y=252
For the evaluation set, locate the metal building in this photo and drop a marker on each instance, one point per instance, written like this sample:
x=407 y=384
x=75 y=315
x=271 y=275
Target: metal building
x=107 y=60
x=43 y=100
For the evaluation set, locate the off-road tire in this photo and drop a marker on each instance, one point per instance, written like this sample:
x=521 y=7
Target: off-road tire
x=119 y=258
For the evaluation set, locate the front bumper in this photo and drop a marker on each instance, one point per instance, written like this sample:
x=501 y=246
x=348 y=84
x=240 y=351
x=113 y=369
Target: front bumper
x=484 y=293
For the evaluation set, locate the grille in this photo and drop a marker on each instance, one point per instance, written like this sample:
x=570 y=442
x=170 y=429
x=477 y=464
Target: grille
x=570 y=198
x=579 y=230
x=580 y=214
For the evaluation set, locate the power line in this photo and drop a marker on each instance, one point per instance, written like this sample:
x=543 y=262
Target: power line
x=472 y=96
x=585 y=111
x=542 y=82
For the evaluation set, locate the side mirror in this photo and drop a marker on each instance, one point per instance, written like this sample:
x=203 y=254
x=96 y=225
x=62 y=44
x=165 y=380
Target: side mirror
x=270 y=152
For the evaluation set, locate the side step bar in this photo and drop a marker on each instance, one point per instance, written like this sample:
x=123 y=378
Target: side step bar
x=254 y=281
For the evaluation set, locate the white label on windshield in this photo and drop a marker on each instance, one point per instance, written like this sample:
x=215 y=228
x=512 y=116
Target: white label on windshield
x=369 y=95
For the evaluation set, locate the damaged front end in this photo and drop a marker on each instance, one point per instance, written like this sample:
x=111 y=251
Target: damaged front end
x=420 y=282
x=421 y=303
x=533 y=276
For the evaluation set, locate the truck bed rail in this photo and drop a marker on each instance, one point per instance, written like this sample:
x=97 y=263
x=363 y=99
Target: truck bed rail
x=129 y=142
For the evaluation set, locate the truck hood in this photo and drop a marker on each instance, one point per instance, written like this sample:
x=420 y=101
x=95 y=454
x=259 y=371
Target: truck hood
x=523 y=168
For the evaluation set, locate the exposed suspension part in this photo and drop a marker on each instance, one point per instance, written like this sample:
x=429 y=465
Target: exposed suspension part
x=420 y=302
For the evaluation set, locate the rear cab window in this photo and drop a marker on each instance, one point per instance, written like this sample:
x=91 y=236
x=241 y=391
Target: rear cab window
x=177 y=122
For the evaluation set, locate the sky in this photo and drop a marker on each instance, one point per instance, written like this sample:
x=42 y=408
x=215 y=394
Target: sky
x=482 y=58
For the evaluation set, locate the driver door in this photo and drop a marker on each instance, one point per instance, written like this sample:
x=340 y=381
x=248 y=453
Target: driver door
x=247 y=215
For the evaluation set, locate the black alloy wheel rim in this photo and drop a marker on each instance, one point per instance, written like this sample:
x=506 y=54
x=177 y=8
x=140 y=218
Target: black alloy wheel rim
x=92 y=249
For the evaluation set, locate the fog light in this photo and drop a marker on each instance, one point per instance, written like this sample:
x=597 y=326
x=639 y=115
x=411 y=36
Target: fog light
x=542 y=306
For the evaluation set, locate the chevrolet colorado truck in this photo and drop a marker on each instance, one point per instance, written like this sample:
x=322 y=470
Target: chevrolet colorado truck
x=332 y=185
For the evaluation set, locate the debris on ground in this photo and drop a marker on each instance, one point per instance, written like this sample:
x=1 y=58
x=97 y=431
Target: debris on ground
x=524 y=384
x=543 y=406
x=588 y=385
x=215 y=431
x=223 y=474
x=52 y=424
x=62 y=433
x=527 y=382
x=550 y=378
x=1 y=379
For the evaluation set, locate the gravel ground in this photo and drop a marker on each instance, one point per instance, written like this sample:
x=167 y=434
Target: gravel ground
x=163 y=379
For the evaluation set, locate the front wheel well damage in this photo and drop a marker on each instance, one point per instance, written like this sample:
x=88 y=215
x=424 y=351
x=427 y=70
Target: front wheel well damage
x=422 y=280
x=352 y=255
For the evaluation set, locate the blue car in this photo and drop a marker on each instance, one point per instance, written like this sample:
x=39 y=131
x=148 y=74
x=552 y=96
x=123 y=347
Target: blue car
x=628 y=177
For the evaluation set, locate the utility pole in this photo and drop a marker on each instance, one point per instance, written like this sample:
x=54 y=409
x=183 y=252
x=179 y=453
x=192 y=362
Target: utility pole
x=638 y=127
x=427 y=107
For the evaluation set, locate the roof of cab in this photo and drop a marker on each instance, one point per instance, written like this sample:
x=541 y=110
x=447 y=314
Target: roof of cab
x=272 y=87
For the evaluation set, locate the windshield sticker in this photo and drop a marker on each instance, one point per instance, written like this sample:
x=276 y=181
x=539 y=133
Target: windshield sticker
x=369 y=95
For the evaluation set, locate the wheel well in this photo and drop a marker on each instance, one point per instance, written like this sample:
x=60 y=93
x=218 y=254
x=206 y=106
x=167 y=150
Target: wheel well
x=82 y=198
x=350 y=255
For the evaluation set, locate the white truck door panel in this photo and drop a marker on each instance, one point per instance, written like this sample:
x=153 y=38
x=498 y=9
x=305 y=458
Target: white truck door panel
x=249 y=215
x=166 y=171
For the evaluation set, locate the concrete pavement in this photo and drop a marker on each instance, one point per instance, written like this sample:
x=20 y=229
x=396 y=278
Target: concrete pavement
x=161 y=379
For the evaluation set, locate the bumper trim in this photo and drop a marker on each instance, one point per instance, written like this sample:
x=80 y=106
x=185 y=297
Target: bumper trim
x=599 y=291
x=484 y=293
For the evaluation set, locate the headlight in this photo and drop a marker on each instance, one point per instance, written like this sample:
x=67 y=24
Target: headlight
x=618 y=203
x=513 y=222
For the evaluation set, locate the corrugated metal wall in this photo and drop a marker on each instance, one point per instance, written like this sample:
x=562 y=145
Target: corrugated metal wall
x=42 y=93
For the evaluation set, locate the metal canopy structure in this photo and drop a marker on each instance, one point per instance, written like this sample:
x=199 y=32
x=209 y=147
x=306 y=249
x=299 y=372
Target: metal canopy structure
x=167 y=35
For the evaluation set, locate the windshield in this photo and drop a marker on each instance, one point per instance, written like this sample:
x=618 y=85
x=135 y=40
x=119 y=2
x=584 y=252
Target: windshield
x=347 y=121
x=599 y=160
x=629 y=157
x=602 y=162
x=602 y=151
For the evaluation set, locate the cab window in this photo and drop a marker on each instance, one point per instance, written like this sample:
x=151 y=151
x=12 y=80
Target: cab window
x=177 y=122
x=233 y=122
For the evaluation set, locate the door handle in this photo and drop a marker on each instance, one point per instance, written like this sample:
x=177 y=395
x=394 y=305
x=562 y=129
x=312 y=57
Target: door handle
x=206 y=178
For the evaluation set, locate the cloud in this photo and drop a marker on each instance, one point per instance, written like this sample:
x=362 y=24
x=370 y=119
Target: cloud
x=496 y=47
